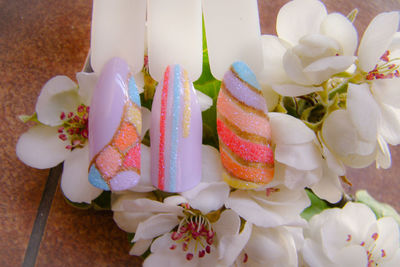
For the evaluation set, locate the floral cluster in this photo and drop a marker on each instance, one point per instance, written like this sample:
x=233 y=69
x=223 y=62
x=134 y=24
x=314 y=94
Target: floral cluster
x=329 y=108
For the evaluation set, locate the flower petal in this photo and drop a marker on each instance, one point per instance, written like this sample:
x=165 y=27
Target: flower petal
x=146 y=120
x=148 y=205
x=313 y=254
x=387 y=91
x=272 y=245
x=301 y=156
x=322 y=69
x=273 y=51
x=339 y=133
x=229 y=247
x=328 y=187
x=383 y=158
x=359 y=161
x=205 y=101
x=377 y=38
x=140 y=247
x=207 y=197
x=87 y=82
x=388 y=239
x=389 y=126
x=332 y=162
x=295 y=178
x=294 y=68
x=363 y=110
x=299 y=18
x=227 y=224
x=283 y=126
x=211 y=164
x=74 y=180
x=41 y=148
x=129 y=221
x=340 y=28
x=155 y=226
x=58 y=95
x=351 y=256
x=295 y=90
x=270 y=96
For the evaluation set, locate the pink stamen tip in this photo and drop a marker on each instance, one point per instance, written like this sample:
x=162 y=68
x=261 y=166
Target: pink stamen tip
x=62 y=116
x=189 y=256
x=62 y=137
x=70 y=114
x=348 y=238
x=374 y=236
x=246 y=258
x=210 y=240
x=185 y=246
x=385 y=56
x=81 y=108
x=69 y=147
x=85 y=133
x=202 y=253
x=208 y=249
x=172 y=247
x=60 y=130
x=175 y=236
x=76 y=142
x=362 y=244
x=383 y=254
x=211 y=233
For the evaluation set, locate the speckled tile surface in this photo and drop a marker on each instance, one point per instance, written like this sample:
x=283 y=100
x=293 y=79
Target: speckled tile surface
x=83 y=238
x=41 y=39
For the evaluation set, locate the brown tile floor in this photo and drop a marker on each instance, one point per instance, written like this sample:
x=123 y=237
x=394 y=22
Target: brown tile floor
x=40 y=39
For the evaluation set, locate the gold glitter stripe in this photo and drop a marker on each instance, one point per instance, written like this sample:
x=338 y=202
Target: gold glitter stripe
x=121 y=168
x=186 y=110
x=241 y=104
x=254 y=138
x=242 y=161
x=252 y=88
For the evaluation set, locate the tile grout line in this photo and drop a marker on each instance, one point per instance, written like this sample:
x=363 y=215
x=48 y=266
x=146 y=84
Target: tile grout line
x=41 y=217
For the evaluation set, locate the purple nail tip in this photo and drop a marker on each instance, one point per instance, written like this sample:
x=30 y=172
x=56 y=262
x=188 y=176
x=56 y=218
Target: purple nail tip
x=176 y=133
x=113 y=134
x=124 y=180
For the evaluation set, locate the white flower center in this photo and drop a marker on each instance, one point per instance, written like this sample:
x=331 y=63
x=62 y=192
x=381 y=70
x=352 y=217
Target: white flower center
x=373 y=256
x=387 y=69
x=75 y=127
x=194 y=235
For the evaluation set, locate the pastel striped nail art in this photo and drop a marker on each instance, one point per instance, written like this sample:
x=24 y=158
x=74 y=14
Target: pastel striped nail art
x=243 y=130
x=114 y=129
x=176 y=133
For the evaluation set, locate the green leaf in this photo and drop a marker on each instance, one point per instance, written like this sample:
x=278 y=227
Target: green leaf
x=27 y=118
x=103 y=202
x=380 y=209
x=77 y=205
x=353 y=15
x=317 y=206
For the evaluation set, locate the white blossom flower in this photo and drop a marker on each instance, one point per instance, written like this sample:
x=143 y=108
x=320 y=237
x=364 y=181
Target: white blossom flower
x=311 y=46
x=138 y=211
x=49 y=143
x=222 y=243
x=299 y=161
x=278 y=246
x=379 y=54
x=271 y=207
x=351 y=134
x=351 y=236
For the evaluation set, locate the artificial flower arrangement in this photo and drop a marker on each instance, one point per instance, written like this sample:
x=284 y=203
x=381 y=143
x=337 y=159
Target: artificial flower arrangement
x=244 y=165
